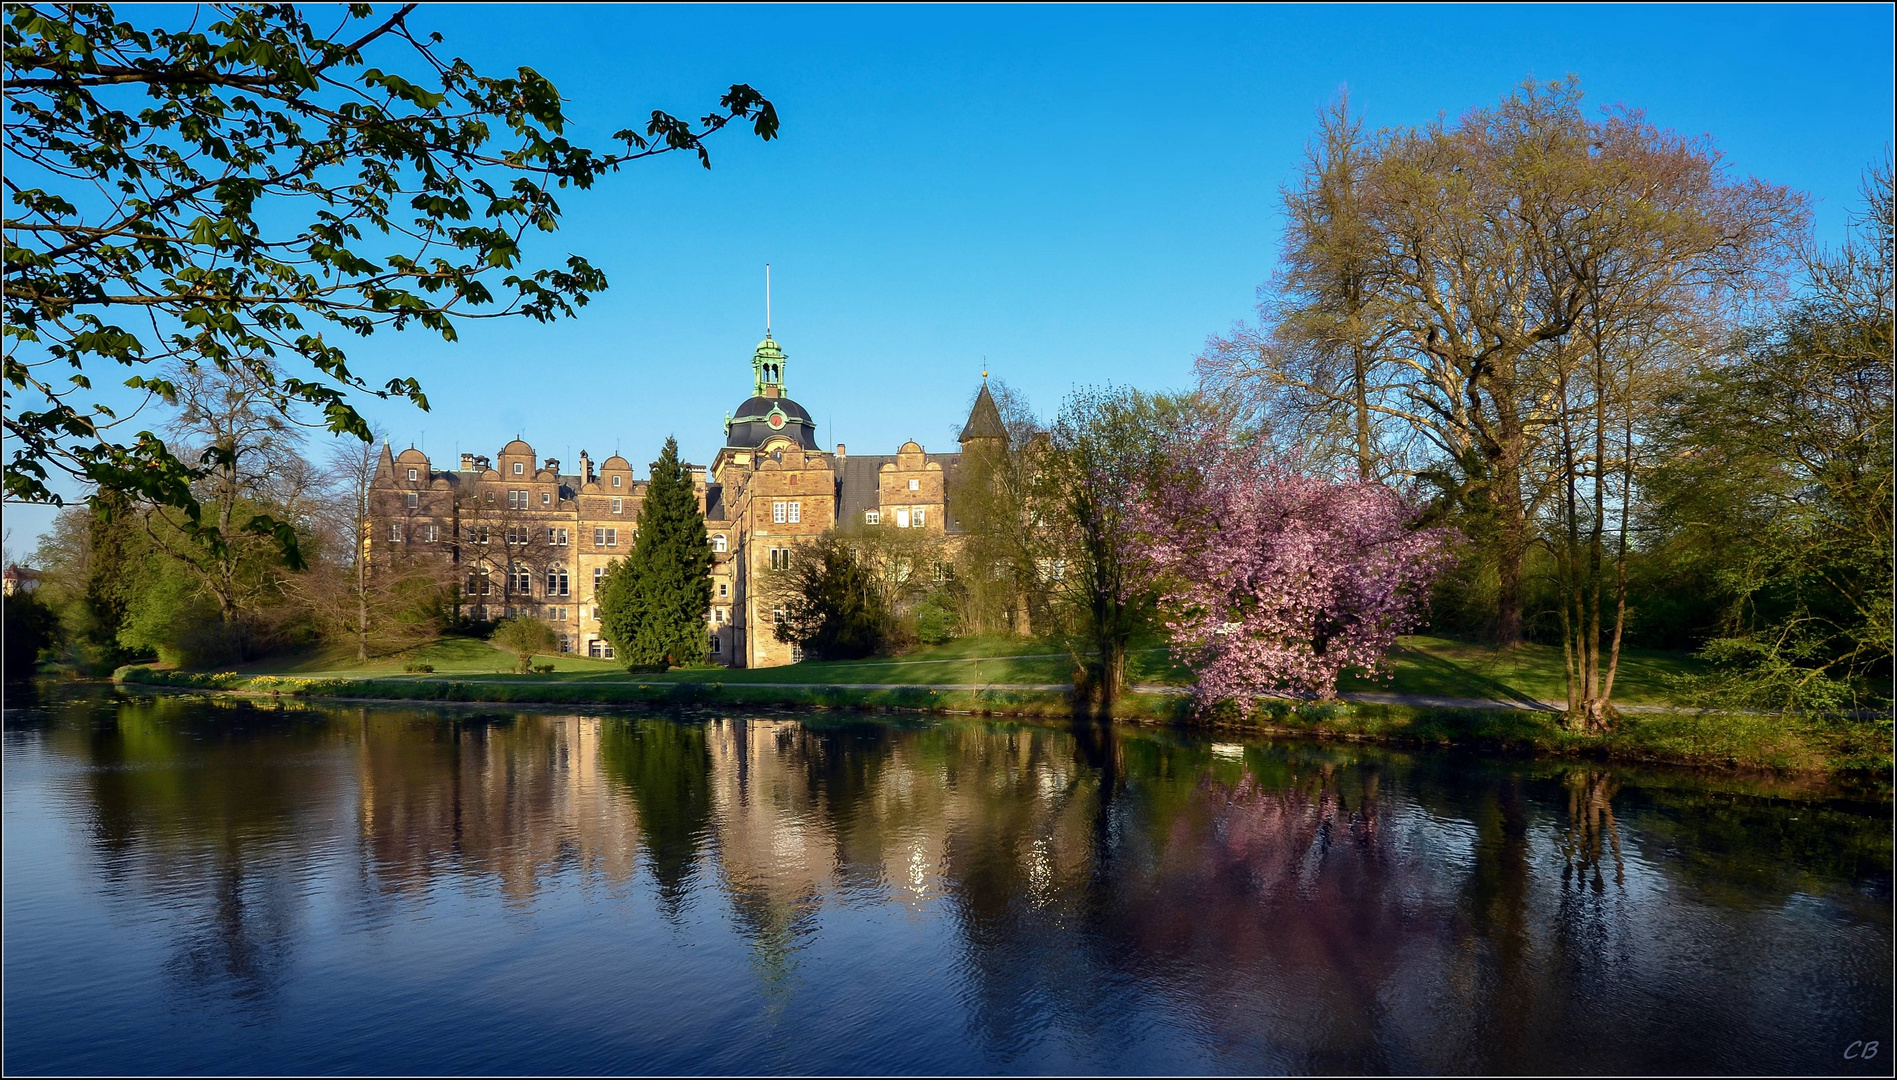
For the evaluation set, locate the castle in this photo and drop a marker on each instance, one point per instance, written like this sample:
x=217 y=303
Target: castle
x=520 y=537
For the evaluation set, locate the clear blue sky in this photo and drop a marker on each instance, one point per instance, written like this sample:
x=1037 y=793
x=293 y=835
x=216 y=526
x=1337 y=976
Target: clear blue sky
x=1077 y=194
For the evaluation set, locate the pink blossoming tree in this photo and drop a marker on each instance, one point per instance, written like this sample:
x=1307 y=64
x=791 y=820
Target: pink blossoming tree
x=1274 y=582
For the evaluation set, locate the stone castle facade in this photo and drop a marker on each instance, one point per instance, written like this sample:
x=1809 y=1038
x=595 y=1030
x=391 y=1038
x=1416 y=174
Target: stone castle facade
x=519 y=536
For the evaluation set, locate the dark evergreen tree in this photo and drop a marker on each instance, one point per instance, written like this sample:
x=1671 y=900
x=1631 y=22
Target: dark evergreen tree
x=831 y=605
x=655 y=601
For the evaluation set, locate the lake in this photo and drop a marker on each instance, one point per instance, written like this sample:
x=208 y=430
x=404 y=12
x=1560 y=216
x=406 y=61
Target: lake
x=196 y=886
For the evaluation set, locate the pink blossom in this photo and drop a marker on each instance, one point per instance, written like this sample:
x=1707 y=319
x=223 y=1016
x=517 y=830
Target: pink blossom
x=1274 y=582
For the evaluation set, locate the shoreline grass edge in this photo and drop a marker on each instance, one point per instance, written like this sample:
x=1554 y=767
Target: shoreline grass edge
x=1701 y=739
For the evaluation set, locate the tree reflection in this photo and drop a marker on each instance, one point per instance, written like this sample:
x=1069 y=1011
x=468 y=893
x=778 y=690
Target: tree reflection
x=1287 y=907
x=667 y=768
x=202 y=805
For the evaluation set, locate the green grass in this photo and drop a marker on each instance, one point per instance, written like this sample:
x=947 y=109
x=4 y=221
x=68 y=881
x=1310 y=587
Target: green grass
x=1433 y=666
x=1444 y=667
x=467 y=670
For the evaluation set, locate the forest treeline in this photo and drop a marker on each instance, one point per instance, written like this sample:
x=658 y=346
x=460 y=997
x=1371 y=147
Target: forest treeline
x=1530 y=375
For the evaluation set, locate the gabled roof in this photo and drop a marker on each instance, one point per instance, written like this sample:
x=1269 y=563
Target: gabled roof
x=984 y=420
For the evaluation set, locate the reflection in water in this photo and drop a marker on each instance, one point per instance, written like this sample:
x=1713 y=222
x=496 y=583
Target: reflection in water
x=383 y=888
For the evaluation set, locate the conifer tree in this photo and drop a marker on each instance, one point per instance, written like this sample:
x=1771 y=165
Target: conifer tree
x=654 y=602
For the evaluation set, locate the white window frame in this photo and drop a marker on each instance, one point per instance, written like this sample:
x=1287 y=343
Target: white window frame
x=915 y=485
x=414 y=500
x=918 y=517
x=413 y=474
x=796 y=513
x=546 y=498
x=519 y=469
x=616 y=483
x=872 y=517
x=395 y=532
x=618 y=504
x=718 y=542
x=430 y=534
x=779 y=511
x=902 y=517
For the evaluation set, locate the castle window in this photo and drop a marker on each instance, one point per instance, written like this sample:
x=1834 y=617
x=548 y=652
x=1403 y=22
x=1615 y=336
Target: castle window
x=902 y=518
x=395 y=533
x=716 y=645
x=915 y=485
x=917 y=517
x=796 y=513
x=413 y=500
x=724 y=589
x=517 y=500
x=522 y=580
x=616 y=484
x=556 y=581
x=481 y=538
x=599 y=578
x=779 y=511
x=519 y=469
x=872 y=517
x=546 y=498
x=777 y=616
x=412 y=474
x=429 y=534
x=556 y=537
x=796 y=653
x=566 y=643
x=718 y=542
x=617 y=502
x=780 y=558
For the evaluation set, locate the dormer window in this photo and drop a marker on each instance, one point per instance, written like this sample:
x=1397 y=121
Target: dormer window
x=872 y=517
x=412 y=474
x=616 y=480
x=519 y=469
x=546 y=498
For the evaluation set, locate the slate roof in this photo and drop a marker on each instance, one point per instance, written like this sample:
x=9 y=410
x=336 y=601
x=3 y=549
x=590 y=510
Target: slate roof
x=857 y=476
x=984 y=420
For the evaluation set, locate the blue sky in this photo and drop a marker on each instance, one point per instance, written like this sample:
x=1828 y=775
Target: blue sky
x=1076 y=194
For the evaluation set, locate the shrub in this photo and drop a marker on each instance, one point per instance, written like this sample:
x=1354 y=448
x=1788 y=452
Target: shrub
x=418 y=667
x=935 y=619
x=543 y=669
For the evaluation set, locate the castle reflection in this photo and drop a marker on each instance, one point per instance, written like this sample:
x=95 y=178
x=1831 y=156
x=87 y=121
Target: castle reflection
x=1293 y=907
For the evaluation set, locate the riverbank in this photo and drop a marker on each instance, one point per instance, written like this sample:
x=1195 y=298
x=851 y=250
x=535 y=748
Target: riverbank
x=1653 y=734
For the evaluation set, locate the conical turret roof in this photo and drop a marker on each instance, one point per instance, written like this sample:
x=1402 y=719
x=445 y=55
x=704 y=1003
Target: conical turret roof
x=984 y=420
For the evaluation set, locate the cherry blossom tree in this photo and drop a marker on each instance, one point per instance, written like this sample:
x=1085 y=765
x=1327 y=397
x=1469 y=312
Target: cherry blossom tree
x=1274 y=581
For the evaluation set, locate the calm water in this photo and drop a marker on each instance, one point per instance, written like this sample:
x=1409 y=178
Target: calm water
x=204 y=887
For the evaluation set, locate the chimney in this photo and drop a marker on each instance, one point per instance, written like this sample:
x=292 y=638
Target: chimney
x=553 y=465
x=586 y=468
x=467 y=462
x=481 y=463
x=839 y=451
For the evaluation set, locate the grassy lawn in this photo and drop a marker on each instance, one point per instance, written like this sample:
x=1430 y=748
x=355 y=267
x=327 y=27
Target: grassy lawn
x=1444 y=667
x=473 y=671
x=1439 y=667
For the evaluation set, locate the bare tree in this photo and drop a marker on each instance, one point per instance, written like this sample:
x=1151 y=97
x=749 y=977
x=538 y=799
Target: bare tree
x=1453 y=267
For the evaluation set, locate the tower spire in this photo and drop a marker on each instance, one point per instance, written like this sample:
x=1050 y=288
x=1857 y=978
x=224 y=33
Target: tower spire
x=767 y=299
